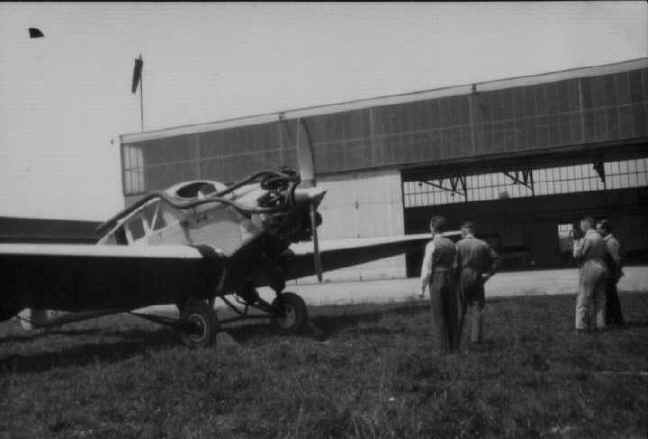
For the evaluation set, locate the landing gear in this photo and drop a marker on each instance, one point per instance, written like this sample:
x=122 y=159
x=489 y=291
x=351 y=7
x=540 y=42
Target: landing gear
x=199 y=324
x=291 y=313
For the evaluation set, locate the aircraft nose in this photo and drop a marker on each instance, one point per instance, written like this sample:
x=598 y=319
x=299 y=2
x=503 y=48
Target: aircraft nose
x=312 y=195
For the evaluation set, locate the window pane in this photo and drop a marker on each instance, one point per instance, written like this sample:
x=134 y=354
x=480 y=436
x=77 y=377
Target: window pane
x=136 y=228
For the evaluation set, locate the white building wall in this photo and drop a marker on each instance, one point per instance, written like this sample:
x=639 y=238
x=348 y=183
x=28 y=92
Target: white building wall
x=363 y=205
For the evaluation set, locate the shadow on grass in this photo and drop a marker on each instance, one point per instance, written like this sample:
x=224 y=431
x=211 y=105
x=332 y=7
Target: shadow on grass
x=40 y=335
x=138 y=341
x=135 y=341
x=631 y=324
x=326 y=322
x=329 y=321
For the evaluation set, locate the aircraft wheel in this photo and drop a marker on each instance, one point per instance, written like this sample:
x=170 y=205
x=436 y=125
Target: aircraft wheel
x=202 y=325
x=292 y=312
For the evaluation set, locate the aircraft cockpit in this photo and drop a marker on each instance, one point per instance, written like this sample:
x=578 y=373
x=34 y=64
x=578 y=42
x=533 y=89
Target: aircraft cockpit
x=144 y=222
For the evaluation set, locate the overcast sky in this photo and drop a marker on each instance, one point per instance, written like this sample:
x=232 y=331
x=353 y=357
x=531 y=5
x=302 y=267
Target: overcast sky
x=63 y=98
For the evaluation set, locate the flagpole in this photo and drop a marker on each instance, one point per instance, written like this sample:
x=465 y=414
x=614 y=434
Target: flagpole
x=142 y=97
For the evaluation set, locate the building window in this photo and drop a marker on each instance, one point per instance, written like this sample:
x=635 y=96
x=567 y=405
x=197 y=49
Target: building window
x=519 y=184
x=136 y=228
x=133 y=169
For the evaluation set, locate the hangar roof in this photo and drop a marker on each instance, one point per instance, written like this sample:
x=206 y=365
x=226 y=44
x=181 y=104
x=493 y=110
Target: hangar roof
x=521 y=81
x=576 y=114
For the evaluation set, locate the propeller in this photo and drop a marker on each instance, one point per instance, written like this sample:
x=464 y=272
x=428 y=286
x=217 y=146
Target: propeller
x=306 y=166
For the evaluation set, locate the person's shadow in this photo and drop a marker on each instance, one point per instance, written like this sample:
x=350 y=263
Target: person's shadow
x=137 y=341
x=132 y=342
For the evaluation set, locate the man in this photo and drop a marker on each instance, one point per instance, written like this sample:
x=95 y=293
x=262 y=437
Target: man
x=591 y=252
x=437 y=274
x=613 y=314
x=476 y=263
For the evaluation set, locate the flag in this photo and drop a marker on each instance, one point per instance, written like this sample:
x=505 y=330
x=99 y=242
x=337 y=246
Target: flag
x=137 y=73
x=35 y=32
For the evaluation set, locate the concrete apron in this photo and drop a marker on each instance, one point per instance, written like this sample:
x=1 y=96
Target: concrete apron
x=521 y=283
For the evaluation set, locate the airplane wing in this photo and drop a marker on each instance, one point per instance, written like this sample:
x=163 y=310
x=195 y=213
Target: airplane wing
x=342 y=253
x=81 y=277
x=89 y=277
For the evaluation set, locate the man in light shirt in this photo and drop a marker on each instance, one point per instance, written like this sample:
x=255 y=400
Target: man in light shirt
x=591 y=252
x=437 y=274
x=613 y=314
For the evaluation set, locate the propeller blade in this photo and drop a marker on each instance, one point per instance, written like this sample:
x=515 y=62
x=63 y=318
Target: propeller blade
x=306 y=165
x=305 y=155
x=317 y=259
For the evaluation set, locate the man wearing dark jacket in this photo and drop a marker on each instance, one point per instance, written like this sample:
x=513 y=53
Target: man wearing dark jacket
x=476 y=263
x=613 y=314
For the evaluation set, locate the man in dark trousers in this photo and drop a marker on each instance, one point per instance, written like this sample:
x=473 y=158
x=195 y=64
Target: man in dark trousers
x=476 y=263
x=613 y=314
x=437 y=274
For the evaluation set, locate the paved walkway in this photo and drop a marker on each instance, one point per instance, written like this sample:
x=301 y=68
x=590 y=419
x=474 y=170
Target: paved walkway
x=520 y=283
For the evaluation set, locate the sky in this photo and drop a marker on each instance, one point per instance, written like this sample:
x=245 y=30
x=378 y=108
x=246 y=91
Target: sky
x=65 y=98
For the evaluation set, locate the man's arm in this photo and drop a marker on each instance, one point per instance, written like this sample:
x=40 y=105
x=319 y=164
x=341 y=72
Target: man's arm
x=614 y=248
x=426 y=267
x=494 y=263
x=581 y=246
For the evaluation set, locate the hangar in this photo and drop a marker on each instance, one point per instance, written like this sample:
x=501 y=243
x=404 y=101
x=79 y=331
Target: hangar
x=523 y=157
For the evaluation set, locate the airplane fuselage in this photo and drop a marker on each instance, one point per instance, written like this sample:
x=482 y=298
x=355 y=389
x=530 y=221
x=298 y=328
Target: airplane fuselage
x=236 y=235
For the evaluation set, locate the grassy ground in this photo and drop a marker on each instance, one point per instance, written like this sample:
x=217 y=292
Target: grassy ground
x=371 y=372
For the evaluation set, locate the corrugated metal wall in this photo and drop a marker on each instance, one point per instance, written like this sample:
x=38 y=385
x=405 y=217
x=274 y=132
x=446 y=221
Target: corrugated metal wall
x=225 y=155
x=606 y=108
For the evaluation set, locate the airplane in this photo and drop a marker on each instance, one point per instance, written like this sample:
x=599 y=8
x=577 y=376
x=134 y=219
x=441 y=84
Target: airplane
x=188 y=245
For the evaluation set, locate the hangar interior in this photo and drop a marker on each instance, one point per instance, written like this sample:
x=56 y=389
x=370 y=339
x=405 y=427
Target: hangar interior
x=522 y=157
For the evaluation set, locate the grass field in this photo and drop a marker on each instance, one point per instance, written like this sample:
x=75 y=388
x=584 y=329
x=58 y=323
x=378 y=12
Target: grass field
x=369 y=371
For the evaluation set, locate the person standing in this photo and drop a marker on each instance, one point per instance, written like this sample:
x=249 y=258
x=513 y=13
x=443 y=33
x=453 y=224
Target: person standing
x=437 y=275
x=591 y=252
x=613 y=313
x=476 y=263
